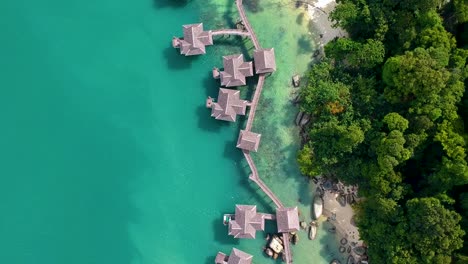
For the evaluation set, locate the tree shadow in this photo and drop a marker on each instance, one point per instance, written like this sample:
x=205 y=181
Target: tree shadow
x=177 y=61
x=170 y=3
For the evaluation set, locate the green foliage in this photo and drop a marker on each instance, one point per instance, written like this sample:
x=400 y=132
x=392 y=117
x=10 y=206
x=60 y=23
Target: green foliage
x=395 y=121
x=305 y=162
x=434 y=231
x=461 y=10
x=388 y=115
x=366 y=55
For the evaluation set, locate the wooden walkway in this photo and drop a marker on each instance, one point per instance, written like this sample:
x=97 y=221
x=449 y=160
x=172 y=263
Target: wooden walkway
x=255 y=178
x=230 y=32
x=253 y=108
x=249 y=32
x=247 y=24
x=268 y=216
x=254 y=103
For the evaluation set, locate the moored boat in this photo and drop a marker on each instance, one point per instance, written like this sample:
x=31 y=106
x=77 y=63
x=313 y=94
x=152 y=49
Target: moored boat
x=312 y=231
x=335 y=261
x=318 y=206
x=227 y=218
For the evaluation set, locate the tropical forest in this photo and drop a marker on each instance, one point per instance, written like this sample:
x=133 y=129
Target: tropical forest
x=389 y=111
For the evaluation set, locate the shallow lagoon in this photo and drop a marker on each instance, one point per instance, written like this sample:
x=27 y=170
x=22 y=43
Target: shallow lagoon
x=108 y=153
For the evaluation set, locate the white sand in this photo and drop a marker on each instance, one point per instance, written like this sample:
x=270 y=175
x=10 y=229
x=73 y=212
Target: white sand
x=323 y=3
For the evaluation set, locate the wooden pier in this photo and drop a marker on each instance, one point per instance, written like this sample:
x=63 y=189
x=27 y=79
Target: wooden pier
x=230 y=32
x=253 y=107
x=247 y=31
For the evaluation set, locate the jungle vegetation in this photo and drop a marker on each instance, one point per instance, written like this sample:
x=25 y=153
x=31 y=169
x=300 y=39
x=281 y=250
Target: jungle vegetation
x=389 y=111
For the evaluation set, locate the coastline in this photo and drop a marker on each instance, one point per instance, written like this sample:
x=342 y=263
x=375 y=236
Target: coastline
x=321 y=32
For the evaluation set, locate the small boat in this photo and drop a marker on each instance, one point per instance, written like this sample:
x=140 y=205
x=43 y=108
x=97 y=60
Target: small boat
x=332 y=230
x=335 y=261
x=318 y=206
x=269 y=252
x=351 y=260
x=349 y=249
x=312 y=231
x=303 y=224
x=227 y=218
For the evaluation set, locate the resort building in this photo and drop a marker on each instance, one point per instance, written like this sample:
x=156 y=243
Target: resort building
x=246 y=222
x=237 y=257
x=287 y=219
x=248 y=140
x=228 y=105
x=264 y=61
x=235 y=71
x=194 y=41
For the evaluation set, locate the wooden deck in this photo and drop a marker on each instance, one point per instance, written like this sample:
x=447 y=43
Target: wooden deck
x=230 y=32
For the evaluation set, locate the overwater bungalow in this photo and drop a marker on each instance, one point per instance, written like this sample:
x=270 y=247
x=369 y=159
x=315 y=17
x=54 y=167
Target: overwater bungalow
x=265 y=61
x=194 y=40
x=236 y=257
x=287 y=219
x=246 y=222
x=228 y=105
x=235 y=71
x=248 y=140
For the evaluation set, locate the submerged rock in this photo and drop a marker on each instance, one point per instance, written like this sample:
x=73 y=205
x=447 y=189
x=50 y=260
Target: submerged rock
x=296 y=79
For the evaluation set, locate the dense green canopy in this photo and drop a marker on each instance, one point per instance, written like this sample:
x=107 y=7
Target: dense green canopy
x=389 y=110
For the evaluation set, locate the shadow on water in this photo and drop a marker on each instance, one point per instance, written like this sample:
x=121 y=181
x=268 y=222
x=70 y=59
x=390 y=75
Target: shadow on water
x=176 y=61
x=67 y=199
x=170 y=3
x=305 y=45
x=221 y=234
x=211 y=85
x=208 y=123
x=300 y=18
x=253 y=6
x=210 y=260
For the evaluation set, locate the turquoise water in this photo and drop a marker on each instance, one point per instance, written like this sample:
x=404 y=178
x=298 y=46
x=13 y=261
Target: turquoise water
x=107 y=152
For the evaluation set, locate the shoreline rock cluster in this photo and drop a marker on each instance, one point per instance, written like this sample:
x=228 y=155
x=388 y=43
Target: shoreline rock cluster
x=338 y=199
